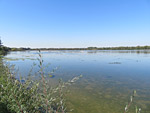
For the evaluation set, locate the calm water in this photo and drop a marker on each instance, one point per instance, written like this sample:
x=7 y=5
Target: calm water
x=109 y=77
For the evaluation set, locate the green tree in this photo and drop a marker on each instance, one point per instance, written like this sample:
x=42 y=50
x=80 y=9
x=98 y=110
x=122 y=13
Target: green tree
x=1 y=44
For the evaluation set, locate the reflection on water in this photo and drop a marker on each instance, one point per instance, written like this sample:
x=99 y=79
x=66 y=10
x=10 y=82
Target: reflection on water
x=109 y=77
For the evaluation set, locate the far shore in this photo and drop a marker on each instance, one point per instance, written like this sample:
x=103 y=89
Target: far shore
x=88 y=48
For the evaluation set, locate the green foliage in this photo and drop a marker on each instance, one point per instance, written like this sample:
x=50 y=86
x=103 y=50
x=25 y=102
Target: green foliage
x=31 y=96
x=92 y=48
x=19 y=49
x=1 y=44
x=99 y=48
x=18 y=97
x=4 y=50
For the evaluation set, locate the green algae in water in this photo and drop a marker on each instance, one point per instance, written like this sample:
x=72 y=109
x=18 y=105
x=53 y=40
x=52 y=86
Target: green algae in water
x=16 y=59
x=13 y=59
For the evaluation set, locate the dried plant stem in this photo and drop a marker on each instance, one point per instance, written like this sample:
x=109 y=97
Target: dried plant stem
x=128 y=106
x=131 y=101
x=18 y=104
x=60 y=95
x=44 y=83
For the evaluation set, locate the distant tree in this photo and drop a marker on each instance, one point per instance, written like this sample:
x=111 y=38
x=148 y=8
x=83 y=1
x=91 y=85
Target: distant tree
x=1 y=44
x=92 y=48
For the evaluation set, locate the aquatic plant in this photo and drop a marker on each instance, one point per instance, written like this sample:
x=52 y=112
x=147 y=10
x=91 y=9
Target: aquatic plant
x=137 y=110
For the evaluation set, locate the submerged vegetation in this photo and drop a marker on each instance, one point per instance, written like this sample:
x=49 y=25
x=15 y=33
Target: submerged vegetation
x=27 y=95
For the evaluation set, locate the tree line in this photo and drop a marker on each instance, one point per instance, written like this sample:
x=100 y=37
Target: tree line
x=4 y=49
x=99 y=48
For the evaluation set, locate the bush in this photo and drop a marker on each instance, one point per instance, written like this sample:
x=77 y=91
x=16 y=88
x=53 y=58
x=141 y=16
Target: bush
x=28 y=95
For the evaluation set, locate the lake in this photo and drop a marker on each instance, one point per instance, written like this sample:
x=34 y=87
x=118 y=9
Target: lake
x=109 y=77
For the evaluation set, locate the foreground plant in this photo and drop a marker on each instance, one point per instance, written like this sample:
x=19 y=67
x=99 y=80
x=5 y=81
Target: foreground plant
x=26 y=95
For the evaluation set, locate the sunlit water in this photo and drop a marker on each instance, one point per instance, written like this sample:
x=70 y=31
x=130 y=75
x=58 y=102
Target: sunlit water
x=109 y=77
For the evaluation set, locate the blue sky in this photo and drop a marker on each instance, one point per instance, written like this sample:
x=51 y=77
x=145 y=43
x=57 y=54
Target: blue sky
x=74 y=23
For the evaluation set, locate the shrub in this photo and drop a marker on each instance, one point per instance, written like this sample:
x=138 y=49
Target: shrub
x=26 y=95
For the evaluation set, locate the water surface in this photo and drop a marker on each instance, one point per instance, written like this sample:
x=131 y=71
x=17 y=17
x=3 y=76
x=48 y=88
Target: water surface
x=109 y=77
